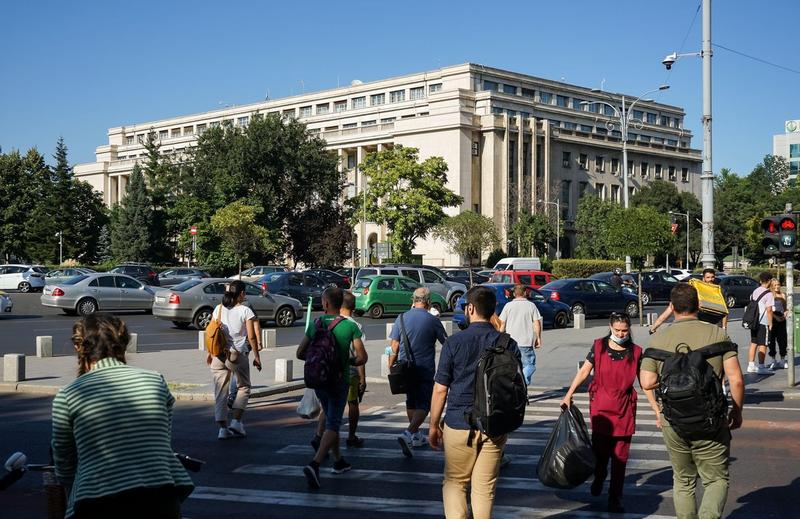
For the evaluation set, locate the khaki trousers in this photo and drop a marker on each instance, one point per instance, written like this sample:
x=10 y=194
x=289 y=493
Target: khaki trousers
x=474 y=467
x=221 y=373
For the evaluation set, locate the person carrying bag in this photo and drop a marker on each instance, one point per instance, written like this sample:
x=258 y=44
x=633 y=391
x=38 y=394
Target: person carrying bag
x=402 y=372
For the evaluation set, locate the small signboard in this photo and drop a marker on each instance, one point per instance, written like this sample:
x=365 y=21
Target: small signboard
x=383 y=250
x=193 y=230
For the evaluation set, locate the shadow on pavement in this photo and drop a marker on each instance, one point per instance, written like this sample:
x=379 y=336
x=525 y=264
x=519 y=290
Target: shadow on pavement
x=761 y=502
x=19 y=317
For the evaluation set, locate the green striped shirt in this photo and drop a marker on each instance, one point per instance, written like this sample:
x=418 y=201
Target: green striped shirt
x=112 y=431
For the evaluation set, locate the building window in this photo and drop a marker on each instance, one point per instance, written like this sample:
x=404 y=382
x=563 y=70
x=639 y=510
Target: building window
x=582 y=187
x=436 y=87
x=600 y=190
x=417 y=93
x=638 y=115
x=644 y=138
x=348 y=126
x=658 y=140
x=794 y=168
x=162 y=134
x=615 y=193
x=599 y=164
x=368 y=123
x=615 y=166
x=576 y=104
x=188 y=130
x=397 y=96
x=244 y=121
x=305 y=111
x=492 y=86
x=359 y=102
x=684 y=174
x=672 y=176
x=496 y=110
x=388 y=120
x=545 y=98
x=377 y=99
x=566 y=191
x=176 y=132
x=616 y=134
x=632 y=136
x=608 y=111
x=313 y=131
x=510 y=89
x=585 y=128
x=351 y=161
x=339 y=106
x=672 y=142
x=646 y=170
x=594 y=108
x=562 y=101
x=794 y=151
x=569 y=126
x=200 y=129
x=652 y=118
x=600 y=131
x=583 y=161
x=676 y=122
x=129 y=139
x=630 y=168
x=528 y=92
x=323 y=108
x=566 y=159
x=664 y=120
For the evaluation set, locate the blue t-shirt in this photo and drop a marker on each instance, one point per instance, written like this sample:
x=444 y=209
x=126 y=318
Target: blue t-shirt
x=457 y=364
x=423 y=330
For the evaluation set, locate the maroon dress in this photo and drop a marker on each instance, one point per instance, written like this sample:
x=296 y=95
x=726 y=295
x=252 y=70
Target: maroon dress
x=612 y=409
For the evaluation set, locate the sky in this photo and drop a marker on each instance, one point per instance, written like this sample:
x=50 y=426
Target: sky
x=75 y=69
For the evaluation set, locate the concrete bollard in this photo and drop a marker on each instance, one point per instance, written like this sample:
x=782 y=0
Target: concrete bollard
x=579 y=321
x=652 y=317
x=133 y=344
x=384 y=365
x=201 y=340
x=284 y=370
x=269 y=339
x=44 y=346
x=13 y=367
x=389 y=327
x=448 y=327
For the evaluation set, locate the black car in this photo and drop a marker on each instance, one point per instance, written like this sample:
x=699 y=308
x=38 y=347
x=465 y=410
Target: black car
x=737 y=289
x=141 y=271
x=656 y=285
x=461 y=275
x=591 y=296
x=178 y=275
x=299 y=285
x=331 y=277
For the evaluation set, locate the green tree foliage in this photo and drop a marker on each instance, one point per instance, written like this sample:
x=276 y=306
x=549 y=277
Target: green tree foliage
x=583 y=268
x=15 y=205
x=532 y=231
x=412 y=195
x=468 y=234
x=495 y=256
x=638 y=232
x=235 y=225
x=591 y=221
x=130 y=228
x=160 y=175
x=41 y=243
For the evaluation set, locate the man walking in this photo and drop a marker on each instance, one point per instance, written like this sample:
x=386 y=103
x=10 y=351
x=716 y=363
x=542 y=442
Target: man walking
x=759 y=336
x=422 y=330
x=709 y=276
x=358 y=375
x=471 y=459
x=706 y=458
x=522 y=321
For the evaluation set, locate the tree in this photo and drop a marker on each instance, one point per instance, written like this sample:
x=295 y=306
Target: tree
x=532 y=231
x=638 y=232
x=468 y=234
x=41 y=243
x=495 y=256
x=236 y=226
x=130 y=230
x=591 y=220
x=412 y=195
x=160 y=176
x=16 y=203
x=321 y=237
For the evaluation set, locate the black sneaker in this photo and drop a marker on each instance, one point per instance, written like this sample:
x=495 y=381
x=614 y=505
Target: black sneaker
x=615 y=506
x=315 y=443
x=355 y=442
x=312 y=476
x=597 y=487
x=341 y=466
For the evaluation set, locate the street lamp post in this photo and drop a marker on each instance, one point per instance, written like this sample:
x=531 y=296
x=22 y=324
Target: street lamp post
x=624 y=116
x=60 y=235
x=686 y=214
x=557 y=203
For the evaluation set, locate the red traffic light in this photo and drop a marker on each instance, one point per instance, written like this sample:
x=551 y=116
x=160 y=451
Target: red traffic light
x=769 y=226
x=788 y=224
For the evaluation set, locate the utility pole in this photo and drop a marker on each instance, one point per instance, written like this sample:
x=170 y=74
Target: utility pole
x=707 y=178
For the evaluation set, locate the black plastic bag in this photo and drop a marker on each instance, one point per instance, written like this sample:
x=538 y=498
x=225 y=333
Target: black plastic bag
x=568 y=459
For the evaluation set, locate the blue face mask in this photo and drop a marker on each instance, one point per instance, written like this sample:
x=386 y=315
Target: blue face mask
x=619 y=340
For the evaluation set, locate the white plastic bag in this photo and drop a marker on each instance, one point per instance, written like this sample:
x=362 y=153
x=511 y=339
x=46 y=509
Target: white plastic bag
x=309 y=407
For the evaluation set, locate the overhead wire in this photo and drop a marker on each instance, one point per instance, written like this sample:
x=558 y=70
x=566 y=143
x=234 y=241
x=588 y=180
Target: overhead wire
x=754 y=58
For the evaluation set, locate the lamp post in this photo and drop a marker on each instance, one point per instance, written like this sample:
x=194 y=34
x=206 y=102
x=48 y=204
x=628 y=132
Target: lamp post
x=60 y=235
x=557 y=203
x=686 y=214
x=624 y=116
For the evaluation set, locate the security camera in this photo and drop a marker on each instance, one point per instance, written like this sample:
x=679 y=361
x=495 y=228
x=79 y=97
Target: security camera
x=669 y=60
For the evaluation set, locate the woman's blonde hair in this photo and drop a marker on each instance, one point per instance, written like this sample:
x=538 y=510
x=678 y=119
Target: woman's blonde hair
x=99 y=336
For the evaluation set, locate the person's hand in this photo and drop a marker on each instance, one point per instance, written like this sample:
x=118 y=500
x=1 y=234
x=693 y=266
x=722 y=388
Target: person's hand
x=209 y=358
x=658 y=417
x=257 y=363
x=435 y=436
x=734 y=419
x=538 y=343
x=362 y=388
x=567 y=402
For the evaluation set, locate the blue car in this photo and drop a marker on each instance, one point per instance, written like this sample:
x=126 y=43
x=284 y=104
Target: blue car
x=591 y=297
x=554 y=313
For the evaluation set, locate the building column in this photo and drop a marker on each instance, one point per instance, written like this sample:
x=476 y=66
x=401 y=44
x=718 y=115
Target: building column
x=383 y=231
x=534 y=166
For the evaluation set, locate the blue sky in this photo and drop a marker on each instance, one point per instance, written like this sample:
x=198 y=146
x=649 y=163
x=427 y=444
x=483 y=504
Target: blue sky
x=77 y=68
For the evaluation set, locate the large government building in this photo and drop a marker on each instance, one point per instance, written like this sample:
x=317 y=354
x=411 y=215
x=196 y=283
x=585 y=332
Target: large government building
x=512 y=142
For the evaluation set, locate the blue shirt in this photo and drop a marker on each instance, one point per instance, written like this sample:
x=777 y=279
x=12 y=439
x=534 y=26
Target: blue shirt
x=423 y=330
x=457 y=364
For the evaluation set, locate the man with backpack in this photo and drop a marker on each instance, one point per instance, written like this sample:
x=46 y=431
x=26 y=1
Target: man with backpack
x=758 y=318
x=696 y=425
x=476 y=365
x=326 y=350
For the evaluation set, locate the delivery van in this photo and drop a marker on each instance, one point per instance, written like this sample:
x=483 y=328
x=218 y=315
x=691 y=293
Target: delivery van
x=518 y=264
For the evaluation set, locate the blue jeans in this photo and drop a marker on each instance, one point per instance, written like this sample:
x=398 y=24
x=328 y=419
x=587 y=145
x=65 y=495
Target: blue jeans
x=528 y=362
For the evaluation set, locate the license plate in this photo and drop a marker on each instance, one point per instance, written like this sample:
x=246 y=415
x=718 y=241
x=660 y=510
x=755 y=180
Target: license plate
x=47 y=291
x=161 y=299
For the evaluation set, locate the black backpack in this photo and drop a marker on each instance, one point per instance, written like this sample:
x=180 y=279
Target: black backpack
x=690 y=392
x=752 y=315
x=500 y=391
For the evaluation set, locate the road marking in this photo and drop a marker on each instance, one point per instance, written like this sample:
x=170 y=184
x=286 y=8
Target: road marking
x=383 y=505
x=530 y=416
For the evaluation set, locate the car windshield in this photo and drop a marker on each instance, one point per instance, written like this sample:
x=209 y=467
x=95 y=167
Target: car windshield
x=73 y=280
x=502 y=266
x=186 y=285
x=271 y=278
x=363 y=283
x=40 y=270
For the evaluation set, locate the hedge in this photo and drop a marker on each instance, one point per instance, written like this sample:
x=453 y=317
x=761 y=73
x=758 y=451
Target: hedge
x=582 y=268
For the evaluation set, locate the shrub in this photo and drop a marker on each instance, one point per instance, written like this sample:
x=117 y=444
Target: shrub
x=494 y=256
x=581 y=268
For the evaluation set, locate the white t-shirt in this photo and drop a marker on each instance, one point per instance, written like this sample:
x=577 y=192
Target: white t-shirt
x=234 y=324
x=519 y=314
x=768 y=301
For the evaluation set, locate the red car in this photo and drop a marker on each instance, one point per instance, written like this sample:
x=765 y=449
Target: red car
x=531 y=278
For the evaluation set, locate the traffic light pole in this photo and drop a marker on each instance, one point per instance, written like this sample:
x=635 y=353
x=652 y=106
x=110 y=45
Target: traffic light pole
x=790 y=322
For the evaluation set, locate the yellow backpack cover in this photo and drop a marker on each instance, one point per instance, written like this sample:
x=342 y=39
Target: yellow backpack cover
x=710 y=295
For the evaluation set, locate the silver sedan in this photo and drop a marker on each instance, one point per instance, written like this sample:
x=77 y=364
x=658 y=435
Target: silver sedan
x=192 y=302
x=89 y=293
x=57 y=276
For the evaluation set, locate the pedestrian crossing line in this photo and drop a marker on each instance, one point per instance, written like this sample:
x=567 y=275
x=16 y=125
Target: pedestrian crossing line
x=532 y=459
x=533 y=429
x=383 y=505
x=435 y=478
x=530 y=416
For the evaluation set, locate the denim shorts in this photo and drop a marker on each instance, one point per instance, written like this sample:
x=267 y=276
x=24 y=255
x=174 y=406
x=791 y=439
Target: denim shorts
x=419 y=394
x=333 y=401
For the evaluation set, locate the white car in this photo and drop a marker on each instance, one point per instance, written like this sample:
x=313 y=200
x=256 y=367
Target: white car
x=679 y=274
x=24 y=278
x=255 y=273
x=5 y=303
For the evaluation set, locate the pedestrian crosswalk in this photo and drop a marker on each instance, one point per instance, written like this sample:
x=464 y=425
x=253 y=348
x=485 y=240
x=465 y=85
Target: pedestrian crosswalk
x=383 y=481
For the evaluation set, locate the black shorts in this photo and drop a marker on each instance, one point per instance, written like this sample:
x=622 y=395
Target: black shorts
x=759 y=335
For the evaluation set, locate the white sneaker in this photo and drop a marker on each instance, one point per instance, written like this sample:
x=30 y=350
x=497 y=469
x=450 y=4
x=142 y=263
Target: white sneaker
x=751 y=368
x=762 y=370
x=783 y=364
x=418 y=440
x=775 y=364
x=236 y=428
x=224 y=434
x=406 y=441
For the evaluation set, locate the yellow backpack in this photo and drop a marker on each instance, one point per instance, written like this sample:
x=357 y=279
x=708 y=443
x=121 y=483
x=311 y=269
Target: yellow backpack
x=216 y=342
x=710 y=296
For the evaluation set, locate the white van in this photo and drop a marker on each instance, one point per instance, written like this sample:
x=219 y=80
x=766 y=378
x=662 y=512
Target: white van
x=518 y=264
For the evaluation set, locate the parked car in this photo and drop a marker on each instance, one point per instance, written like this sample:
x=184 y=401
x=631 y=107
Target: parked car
x=656 y=285
x=255 y=273
x=518 y=264
x=699 y=275
x=24 y=278
x=628 y=280
x=431 y=277
x=591 y=296
x=141 y=271
x=299 y=285
x=379 y=295
x=462 y=275
x=6 y=304
x=531 y=278
x=331 y=277
x=679 y=274
x=56 y=276
x=100 y=291
x=487 y=272
x=737 y=289
x=192 y=303
x=176 y=276
x=555 y=314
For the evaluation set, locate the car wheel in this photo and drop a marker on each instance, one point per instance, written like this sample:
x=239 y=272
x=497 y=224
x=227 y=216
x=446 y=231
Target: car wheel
x=561 y=320
x=376 y=311
x=24 y=287
x=87 y=306
x=645 y=299
x=632 y=309
x=454 y=300
x=730 y=301
x=284 y=316
x=437 y=307
x=578 y=308
x=202 y=318
x=181 y=324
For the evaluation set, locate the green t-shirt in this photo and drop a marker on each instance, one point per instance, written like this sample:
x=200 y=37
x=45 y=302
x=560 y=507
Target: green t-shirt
x=693 y=333
x=344 y=333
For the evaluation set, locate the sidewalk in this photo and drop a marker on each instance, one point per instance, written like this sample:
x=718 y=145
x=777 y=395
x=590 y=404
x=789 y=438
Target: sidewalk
x=189 y=377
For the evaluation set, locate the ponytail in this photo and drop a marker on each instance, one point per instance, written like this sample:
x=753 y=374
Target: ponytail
x=232 y=293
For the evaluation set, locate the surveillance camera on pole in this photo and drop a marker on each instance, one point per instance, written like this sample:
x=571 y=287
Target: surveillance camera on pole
x=669 y=60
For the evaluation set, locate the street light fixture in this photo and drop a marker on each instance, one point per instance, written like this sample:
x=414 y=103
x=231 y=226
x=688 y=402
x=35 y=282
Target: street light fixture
x=557 y=203
x=624 y=115
x=60 y=235
x=686 y=214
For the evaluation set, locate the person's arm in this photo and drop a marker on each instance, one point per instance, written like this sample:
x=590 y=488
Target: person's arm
x=580 y=378
x=257 y=330
x=437 y=407
x=64 y=451
x=537 y=329
x=301 y=349
x=251 y=338
x=769 y=317
x=395 y=345
x=725 y=322
x=361 y=352
x=648 y=379
x=661 y=318
x=736 y=383
x=651 y=398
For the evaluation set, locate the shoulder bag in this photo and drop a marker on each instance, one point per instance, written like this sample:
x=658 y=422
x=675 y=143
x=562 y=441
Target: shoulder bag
x=402 y=372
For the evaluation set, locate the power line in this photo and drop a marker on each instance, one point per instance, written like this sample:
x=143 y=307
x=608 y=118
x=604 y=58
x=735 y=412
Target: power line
x=754 y=58
x=685 y=37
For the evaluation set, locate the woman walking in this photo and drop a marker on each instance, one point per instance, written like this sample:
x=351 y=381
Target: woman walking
x=238 y=324
x=612 y=404
x=111 y=432
x=778 y=332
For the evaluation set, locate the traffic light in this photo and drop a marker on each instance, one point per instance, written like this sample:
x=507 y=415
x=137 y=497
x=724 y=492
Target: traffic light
x=780 y=234
x=771 y=242
x=788 y=233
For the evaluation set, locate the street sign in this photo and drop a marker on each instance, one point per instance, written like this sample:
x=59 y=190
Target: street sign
x=383 y=250
x=674 y=228
x=193 y=230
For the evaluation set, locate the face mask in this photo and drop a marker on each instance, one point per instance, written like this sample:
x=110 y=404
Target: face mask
x=619 y=340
